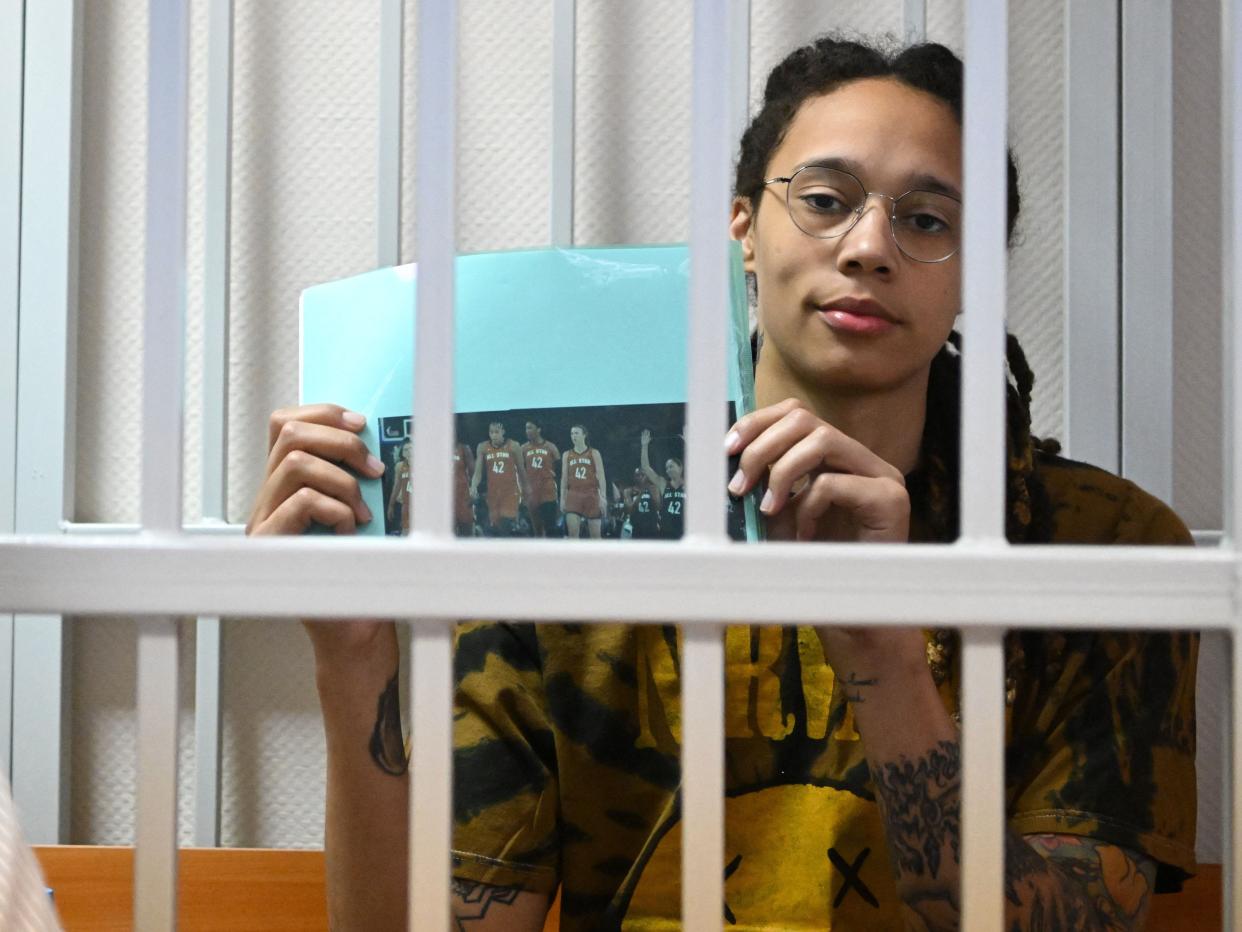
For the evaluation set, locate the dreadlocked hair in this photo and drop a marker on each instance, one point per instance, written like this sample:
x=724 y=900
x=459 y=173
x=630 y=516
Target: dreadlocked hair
x=934 y=487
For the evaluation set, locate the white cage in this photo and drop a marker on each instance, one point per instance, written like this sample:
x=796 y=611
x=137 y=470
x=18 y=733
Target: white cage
x=161 y=570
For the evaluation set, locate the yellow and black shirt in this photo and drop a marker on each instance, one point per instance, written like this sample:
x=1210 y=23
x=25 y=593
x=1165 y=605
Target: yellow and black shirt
x=567 y=740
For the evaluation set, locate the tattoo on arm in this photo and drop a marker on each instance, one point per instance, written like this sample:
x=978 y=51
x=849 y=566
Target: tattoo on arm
x=1051 y=881
x=854 y=681
x=387 y=742
x=473 y=900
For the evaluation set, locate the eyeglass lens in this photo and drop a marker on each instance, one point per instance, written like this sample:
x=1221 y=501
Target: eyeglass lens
x=826 y=203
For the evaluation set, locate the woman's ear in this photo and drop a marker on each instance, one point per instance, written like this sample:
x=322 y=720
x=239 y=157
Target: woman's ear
x=741 y=228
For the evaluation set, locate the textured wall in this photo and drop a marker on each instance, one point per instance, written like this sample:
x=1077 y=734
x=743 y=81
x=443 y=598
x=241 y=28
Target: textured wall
x=304 y=198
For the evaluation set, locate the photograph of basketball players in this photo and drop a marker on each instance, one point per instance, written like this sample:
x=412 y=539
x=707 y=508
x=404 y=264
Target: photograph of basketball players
x=501 y=459
x=583 y=499
x=556 y=483
x=541 y=458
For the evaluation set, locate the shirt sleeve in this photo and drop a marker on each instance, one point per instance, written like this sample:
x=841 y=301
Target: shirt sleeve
x=1103 y=726
x=505 y=790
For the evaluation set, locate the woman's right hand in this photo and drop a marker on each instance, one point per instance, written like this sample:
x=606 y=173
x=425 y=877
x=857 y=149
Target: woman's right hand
x=310 y=448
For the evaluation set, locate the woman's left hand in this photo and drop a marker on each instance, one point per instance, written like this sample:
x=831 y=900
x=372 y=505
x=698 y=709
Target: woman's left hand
x=821 y=484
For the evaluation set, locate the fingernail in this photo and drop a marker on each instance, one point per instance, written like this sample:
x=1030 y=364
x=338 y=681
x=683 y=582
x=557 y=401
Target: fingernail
x=366 y=513
x=353 y=420
x=766 y=505
x=733 y=440
x=737 y=483
x=375 y=466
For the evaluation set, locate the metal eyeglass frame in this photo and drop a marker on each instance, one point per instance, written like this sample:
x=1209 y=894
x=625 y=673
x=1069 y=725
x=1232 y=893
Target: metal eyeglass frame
x=860 y=210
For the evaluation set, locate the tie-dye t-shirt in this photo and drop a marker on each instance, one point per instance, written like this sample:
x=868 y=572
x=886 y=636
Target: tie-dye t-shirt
x=567 y=741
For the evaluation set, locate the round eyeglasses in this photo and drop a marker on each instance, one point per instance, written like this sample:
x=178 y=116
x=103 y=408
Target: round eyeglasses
x=826 y=203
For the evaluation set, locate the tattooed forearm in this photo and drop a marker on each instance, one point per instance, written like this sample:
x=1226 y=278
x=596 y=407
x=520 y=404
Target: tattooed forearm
x=387 y=743
x=1051 y=881
x=857 y=682
x=472 y=900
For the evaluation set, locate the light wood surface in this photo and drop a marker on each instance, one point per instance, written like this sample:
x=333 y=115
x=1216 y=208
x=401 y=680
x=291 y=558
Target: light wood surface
x=235 y=889
x=218 y=889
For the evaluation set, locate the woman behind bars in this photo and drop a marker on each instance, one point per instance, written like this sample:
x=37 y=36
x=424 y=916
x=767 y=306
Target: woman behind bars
x=843 y=802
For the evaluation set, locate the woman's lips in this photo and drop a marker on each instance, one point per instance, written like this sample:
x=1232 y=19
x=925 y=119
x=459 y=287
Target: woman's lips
x=850 y=321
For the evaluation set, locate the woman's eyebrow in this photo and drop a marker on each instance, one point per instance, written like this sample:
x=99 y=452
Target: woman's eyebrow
x=921 y=181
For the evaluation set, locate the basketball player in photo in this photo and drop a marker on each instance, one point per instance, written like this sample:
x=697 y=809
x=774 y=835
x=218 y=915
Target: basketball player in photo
x=463 y=510
x=540 y=457
x=402 y=495
x=670 y=488
x=582 y=486
x=501 y=459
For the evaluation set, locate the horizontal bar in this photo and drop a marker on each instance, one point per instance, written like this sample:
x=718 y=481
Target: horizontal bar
x=1156 y=587
x=217 y=528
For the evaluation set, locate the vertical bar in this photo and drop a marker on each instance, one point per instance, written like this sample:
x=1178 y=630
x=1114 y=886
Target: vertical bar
x=710 y=159
x=564 y=35
x=702 y=777
x=983 y=272
x=168 y=50
x=712 y=117
x=155 y=825
x=1231 y=912
x=914 y=21
x=47 y=308
x=215 y=404
x=983 y=455
x=164 y=327
x=1146 y=244
x=983 y=779
x=388 y=176
x=11 y=61
x=431 y=661
x=1092 y=303
x=207 y=636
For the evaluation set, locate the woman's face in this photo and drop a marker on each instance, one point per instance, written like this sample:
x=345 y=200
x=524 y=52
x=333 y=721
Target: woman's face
x=672 y=469
x=577 y=435
x=894 y=138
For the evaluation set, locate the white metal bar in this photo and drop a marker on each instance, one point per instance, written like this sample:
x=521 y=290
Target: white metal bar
x=710 y=160
x=207 y=732
x=914 y=20
x=216 y=250
x=431 y=648
x=215 y=350
x=155 y=823
x=11 y=62
x=1161 y=587
x=712 y=115
x=1092 y=426
x=983 y=265
x=702 y=777
x=431 y=767
x=983 y=779
x=47 y=289
x=164 y=329
x=1146 y=244
x=388 y=176
x=436 y=221
x=564 y=36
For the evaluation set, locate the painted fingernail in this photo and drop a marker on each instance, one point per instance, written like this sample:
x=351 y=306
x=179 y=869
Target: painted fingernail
x=737 y=483
x=733 y=440
x=353 y=420
x=766 y=505
x=375 y=466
